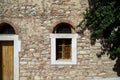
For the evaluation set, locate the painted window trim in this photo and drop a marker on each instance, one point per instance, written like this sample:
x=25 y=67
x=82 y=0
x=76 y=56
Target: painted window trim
x=73 y=59
x=17 y=48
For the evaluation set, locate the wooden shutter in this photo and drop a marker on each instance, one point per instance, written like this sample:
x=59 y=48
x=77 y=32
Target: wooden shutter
x=67 y=48
x=63 y=48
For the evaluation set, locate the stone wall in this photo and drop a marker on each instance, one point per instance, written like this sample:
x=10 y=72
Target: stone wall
x=34 y=20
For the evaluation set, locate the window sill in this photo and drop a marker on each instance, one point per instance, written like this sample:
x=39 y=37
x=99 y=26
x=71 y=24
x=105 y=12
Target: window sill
x=64 y=62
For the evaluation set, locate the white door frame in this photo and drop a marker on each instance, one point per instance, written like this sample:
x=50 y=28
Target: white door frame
x=17 y=48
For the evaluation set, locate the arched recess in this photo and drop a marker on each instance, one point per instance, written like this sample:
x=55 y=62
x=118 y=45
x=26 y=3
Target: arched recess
x=63 y=27
x=63 y=44
x=63 y=20
x=8 y=34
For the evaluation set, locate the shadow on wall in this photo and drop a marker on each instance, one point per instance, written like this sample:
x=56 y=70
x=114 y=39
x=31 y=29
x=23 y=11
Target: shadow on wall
x=116 y=67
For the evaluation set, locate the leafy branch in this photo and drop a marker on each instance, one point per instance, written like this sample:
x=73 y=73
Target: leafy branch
x=103 y=20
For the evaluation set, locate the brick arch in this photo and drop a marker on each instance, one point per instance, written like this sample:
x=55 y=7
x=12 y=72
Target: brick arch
x=63 y=21
x=11 y=24
x=58 y=26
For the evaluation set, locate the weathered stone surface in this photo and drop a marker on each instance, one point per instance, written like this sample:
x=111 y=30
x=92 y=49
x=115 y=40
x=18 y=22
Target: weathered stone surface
x=34 y=20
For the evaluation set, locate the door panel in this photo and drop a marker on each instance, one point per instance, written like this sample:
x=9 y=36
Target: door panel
x=1 y=62
x=6 y=54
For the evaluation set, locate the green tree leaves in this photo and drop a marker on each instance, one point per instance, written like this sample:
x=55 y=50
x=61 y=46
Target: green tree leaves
x=103 y=19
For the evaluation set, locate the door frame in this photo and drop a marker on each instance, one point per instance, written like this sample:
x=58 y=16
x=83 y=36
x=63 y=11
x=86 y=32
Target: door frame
x=17 y=48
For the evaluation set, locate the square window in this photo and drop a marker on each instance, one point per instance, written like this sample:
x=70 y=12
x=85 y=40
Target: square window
x=63 y=48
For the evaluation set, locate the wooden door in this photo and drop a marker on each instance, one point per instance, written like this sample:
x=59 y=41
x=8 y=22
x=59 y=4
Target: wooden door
x=6 y=60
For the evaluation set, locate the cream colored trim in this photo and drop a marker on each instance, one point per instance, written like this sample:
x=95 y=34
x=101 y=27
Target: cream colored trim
x=17 y=48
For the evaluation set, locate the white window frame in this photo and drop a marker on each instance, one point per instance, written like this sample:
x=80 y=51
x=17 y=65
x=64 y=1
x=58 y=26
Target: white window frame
x=73 y=59
x=17 y=48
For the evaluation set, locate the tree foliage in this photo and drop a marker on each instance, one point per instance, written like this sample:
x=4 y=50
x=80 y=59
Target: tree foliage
x=103 y=20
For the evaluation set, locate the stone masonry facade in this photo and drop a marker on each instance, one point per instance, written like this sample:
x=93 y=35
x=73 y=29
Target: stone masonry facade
x=33 y=21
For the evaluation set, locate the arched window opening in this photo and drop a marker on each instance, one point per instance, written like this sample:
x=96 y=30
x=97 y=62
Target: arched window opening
x=63 y=44
x=6 y=29
x=63 y=28
x=10 y=46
